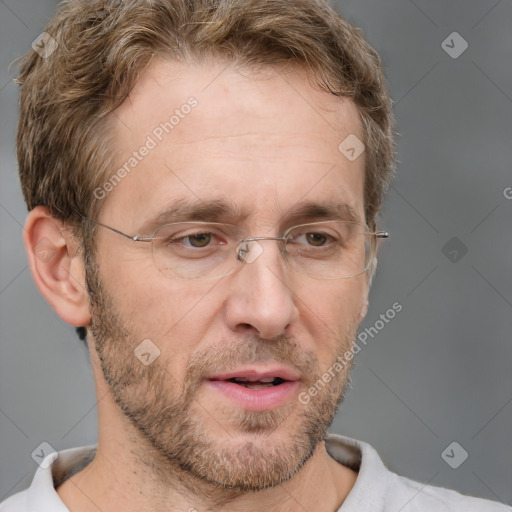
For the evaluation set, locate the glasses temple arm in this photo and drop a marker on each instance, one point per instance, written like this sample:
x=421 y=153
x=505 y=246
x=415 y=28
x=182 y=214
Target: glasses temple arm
x=135 y=238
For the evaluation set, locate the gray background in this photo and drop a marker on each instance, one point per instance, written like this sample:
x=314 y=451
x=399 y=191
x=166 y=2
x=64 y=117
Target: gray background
x=440 y=370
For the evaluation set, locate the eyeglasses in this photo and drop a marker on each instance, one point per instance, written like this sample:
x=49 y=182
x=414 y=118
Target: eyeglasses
x=210 y=250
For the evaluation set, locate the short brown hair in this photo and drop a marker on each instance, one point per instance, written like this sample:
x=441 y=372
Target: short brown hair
x=64 y=149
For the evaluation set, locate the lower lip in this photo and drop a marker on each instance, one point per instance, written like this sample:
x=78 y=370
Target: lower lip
x=257 y=399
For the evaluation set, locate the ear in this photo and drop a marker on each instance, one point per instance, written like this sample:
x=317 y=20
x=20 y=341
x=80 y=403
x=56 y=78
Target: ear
x=57 y=269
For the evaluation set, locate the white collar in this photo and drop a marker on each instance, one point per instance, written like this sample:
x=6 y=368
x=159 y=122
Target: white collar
x=369 y=489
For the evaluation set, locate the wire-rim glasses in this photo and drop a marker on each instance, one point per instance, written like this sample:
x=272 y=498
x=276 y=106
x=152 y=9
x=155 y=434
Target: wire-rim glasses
x=331 y=249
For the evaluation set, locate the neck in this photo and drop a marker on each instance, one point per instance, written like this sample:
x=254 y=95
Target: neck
x=126 y=477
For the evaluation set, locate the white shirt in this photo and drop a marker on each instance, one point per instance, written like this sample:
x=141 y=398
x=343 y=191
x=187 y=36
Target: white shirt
x=376 y=489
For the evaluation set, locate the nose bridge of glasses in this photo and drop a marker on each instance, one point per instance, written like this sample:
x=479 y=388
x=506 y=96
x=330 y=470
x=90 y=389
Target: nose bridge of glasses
x=257 y=238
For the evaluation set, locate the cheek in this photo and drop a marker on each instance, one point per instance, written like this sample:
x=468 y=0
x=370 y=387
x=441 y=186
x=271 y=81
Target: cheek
x=172 y=314
x=173 y=311
x=333 y=300
x=330 y=312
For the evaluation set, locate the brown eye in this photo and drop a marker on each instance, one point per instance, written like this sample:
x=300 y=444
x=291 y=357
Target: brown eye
x=316 y=239
x=198 y=240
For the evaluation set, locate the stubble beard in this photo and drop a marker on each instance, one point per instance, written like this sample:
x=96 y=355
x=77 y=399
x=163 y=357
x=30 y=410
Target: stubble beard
x=249 y=451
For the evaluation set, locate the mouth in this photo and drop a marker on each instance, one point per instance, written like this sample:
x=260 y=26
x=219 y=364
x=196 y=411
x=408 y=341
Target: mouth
x=257 y=384
x=256 y=390
x=254 y=377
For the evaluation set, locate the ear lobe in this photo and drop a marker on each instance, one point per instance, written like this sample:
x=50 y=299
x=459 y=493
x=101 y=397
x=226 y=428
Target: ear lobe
x=57 y=269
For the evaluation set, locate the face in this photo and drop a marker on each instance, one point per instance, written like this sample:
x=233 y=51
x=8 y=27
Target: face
x=262 y=145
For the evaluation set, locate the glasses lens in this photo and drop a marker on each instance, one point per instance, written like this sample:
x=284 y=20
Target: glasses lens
x=195 y=250
x=330 y=250
x=323 y=250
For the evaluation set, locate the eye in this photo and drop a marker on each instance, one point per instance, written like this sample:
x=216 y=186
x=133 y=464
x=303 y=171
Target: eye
x=196 y=240
x=316 y=239
x=312 y=238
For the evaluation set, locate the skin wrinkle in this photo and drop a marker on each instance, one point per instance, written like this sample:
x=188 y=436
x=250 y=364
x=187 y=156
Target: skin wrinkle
x=220 y=210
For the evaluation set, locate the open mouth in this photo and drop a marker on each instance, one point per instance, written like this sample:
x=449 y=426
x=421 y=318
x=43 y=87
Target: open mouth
x=267 y=382
x=257 y=390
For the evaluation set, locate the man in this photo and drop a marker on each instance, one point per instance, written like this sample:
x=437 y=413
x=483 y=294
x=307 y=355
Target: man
x=203 y=179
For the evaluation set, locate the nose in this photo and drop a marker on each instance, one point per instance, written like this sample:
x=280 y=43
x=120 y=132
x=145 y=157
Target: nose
x=260 y=298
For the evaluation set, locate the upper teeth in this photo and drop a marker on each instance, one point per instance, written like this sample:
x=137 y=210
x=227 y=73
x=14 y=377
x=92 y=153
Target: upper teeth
x=265 y=379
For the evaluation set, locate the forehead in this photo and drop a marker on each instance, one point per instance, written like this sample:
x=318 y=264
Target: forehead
x=261 y=140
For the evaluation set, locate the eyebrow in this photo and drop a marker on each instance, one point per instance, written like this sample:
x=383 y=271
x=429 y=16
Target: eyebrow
x=332 y=211
x=183 y=210
x=219 y=210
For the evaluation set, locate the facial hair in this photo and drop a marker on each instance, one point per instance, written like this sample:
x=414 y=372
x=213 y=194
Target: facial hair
x=248 y=451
